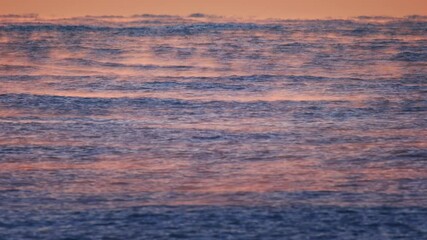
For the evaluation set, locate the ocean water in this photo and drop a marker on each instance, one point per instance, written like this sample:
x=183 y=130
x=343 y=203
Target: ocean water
x=203 y=127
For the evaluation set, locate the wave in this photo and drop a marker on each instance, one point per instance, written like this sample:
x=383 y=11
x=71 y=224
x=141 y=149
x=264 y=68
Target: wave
x=181 y=29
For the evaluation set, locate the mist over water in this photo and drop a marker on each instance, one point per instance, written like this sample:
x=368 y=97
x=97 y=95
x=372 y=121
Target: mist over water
x=202 y=127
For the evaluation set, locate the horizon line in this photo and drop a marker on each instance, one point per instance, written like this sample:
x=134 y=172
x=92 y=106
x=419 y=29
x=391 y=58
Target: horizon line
x=204 y=15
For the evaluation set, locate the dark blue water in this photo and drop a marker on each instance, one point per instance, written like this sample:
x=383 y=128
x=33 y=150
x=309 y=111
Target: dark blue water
x=164 y=127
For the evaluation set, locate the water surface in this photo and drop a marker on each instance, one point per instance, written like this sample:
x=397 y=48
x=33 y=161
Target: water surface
x=163 y=127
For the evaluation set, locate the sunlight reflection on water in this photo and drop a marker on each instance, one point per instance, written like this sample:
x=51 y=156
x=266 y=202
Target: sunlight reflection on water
x=154 y=111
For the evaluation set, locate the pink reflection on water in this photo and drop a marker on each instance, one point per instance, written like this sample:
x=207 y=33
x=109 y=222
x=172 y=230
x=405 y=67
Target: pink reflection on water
x=237 y=54
x=179 y=176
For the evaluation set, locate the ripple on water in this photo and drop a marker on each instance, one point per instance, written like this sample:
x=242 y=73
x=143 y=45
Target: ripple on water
x=210 y=127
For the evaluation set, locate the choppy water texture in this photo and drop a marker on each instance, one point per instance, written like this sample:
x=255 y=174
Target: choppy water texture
x=162 y=127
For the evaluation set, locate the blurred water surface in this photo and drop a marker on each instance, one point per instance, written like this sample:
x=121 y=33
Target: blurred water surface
x=163 y=127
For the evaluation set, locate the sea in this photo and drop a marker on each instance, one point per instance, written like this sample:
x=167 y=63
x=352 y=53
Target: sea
x=209 y=127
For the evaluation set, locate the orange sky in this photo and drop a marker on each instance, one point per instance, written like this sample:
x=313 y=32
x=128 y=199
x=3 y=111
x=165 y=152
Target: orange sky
x=240 y=8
